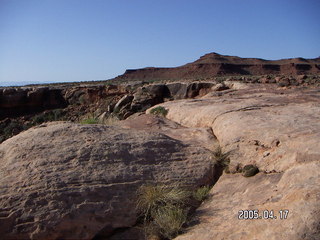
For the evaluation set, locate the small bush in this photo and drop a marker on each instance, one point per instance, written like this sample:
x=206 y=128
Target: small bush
x=49 y=116
x=201 y=193
x=111 y=120
x=150 y=198
x=90 y=121
x=9 y=129
x=163 y=209
x=170 y=220
x=159 y=111
x=221 y=158
x=249 y=170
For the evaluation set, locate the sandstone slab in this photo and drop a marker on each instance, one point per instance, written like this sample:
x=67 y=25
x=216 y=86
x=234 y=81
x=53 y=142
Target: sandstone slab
x=71 y=181
x=152 y=123
x=277 y=130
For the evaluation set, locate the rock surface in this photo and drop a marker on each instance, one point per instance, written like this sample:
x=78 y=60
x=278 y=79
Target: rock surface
x=276 y=129
x=71 y=181
x=151 y=123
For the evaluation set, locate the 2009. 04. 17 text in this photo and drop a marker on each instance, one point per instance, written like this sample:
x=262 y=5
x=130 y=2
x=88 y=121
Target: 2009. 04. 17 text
x=265 y=214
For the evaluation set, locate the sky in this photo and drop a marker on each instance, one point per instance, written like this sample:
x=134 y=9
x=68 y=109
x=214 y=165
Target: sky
x=83 y=40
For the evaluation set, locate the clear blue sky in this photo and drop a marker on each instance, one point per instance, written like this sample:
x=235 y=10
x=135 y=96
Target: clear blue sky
x=77 y=40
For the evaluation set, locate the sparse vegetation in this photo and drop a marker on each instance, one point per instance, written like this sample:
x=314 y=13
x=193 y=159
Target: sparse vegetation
x=48 y=116
x=159 y=111
x=201 y=193
x=163 y=209
x=249 y=170
x=9 y=128
x=111 y=120
x=90 y=121
x=221 y=158
x=150 y=198
x=169 y=220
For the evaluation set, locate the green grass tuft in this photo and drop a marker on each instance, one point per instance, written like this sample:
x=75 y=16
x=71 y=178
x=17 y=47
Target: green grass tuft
x=90 y=121
x=201 y=193
x=159 y=111
x=221 y=158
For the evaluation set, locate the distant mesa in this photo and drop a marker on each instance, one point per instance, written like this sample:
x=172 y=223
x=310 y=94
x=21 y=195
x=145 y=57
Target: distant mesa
x=214 y=64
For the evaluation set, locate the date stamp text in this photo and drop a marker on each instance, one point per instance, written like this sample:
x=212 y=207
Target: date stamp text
x=265 y=214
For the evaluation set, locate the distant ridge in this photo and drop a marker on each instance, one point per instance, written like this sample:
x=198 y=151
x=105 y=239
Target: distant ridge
x=214 y=64
x=20 y=83
x=9 y=84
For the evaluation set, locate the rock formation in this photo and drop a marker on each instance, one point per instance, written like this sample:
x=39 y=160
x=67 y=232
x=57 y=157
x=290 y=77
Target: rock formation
x=214 y=64
x=71 y=181
x=276 y=130
x=17 y=101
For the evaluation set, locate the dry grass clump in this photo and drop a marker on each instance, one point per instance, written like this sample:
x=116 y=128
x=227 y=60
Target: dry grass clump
x=201 y=193
x=163 y=209
x=169 y=220
x=150 y=197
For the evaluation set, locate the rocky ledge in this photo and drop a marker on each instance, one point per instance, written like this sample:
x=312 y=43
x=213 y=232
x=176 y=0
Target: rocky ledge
x=276 y=130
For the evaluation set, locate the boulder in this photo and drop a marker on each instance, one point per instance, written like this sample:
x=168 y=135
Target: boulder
x=147 y=96
x=219 y=87
x=157 y=90
x=70 y=181
x=125 y=100
x=236 y=85
x=177 y=90
x=189 y=90
x=199 y=89
x=150 y=95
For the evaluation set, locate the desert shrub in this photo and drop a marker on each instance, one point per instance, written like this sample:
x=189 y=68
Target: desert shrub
x=49 y=116
x=221 y=158
x=90 y=120
x=227 y=170
x=159 y=111
x=249 y=170
x=9 y=129
x=169 y=220
x=57 y=115
x=82 y=99
x=163 y=209
x=13 y=126
x=201 y=193
x=111 y=120
x=150 y=198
